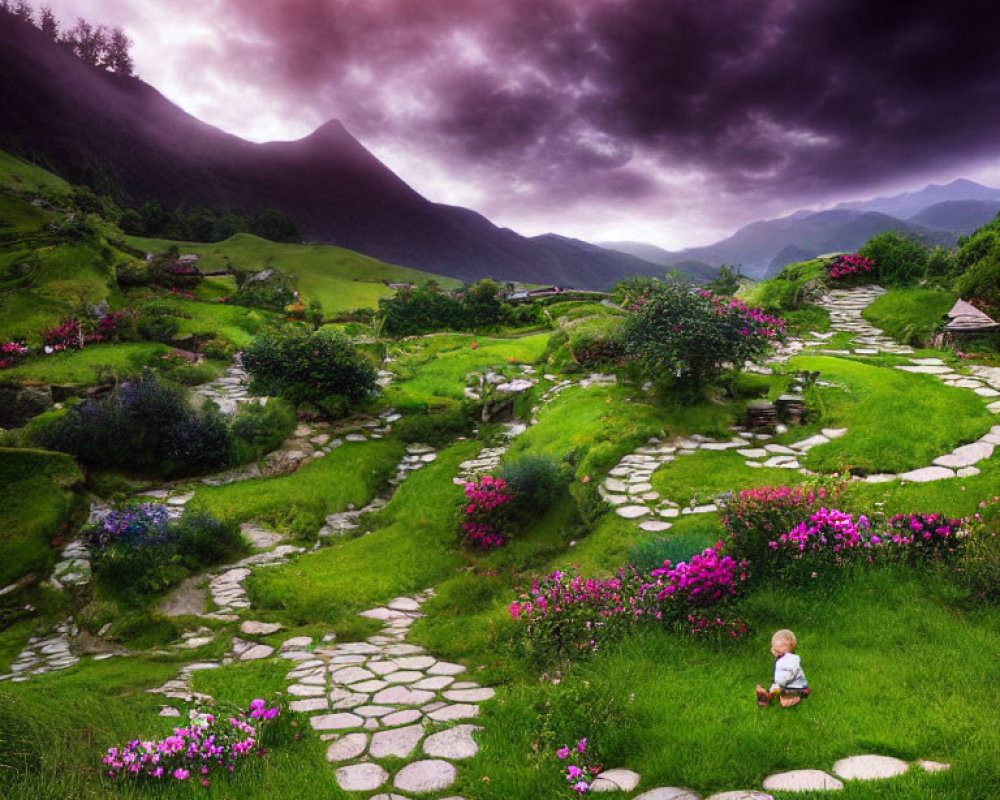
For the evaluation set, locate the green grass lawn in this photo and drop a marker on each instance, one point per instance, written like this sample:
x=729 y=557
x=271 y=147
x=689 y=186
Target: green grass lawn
x=235 y=324
x=896 y=420
x=910 y=315
x=35 y=504
x=432 y=371
x=82 y=366
x=24 y=177
x=340 y=279
x=707 y=474
x=300 y=501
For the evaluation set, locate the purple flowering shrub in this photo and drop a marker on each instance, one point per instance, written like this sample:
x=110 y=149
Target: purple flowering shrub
x=140 y=549
x=214 y=741
x=579 y=771
x=12 y=353
x=932 y=536
x=485 y=514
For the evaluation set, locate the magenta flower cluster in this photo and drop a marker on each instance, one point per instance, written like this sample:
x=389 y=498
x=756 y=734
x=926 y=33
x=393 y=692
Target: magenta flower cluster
x=707 y=627
x=708 y=578
x=204 y=746
x=933 y=534
x=12 y=353
x=827 y=530
x=483 y=523
x=850 y=264
x=753 y=321
x=579 y=770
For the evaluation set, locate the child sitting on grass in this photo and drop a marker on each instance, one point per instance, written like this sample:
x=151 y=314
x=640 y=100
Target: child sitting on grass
x=789 y=684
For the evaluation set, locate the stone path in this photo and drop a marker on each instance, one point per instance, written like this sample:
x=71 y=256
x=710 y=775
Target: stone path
x=379 y=698
x=854 y=768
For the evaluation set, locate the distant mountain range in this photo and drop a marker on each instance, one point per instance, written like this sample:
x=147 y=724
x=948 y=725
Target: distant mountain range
x=936 y=215
x=105 y=130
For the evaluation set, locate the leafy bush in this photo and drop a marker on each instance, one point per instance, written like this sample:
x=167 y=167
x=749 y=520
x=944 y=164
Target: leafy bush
x=536 y=482
x=436 y=429
x=157 y=327
x=756 y=517
x=424 y=309
x=271 y=289
x=308 y=366
x=144 y=425
x=686 y=339
x=140 y=549
x=790 y=289
x=896 y=258
x=257 y=429
x=648 y=554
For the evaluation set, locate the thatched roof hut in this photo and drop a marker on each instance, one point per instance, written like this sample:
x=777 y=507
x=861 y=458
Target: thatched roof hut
x=966 y=318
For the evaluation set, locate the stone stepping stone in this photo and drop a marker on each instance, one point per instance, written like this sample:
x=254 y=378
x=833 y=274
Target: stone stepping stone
x=616 y=486
x=361 y=777
x=347 y=747
x=311 y=704
x=880 y=477
x=470 y=695
x=253 y=628
x=304 y=690
x=335 y=722
x=455 y=743
x=617 y=499
x=667 y=793
x=404 y=717
x=928 y=362
x=416 y=662
x=256 y=652
x=802 y=780
x=403 y=696
x=369 y=686
x=780 y=450
x=640 y=488
x=296 y=641
x=450 y=713
x=708 y=508
x=398 y=742
x=753 y=452
x=632 y=512
x=342 y=699
x=967 y=472
x=869 y=768
x=741 y=794
x=446 y=668
x=373 y=711
x=966 y=456
x=402 y=676
x=655 y=526
x=404 y=604
x=394 y=796
x=434 y=683
x=615 y=780
x=927 y=474
x=926 y=369
x=812 y=441
x=933 y=766
x=350 y=675
x=431 y=775
x=382 y=614
x=985 y=392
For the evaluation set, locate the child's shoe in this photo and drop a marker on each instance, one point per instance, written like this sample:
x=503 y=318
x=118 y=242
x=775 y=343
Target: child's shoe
x=763 y=697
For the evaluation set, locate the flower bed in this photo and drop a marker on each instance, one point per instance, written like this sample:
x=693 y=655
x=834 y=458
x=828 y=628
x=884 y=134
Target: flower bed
x=850 y=265
x=484 y=513
x=209 y=744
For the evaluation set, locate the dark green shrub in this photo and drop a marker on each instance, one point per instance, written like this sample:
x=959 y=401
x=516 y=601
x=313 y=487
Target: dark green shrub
x=157 y=328
x=537 y=481
x=271 y=289
x=897 y=258
x=649 y=554
x=436 y=429
x=203 y=540
x=145 y=425
x=258 y=429
x=309 y=366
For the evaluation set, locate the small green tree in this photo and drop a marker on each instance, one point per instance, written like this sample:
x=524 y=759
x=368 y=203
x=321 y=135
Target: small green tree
x=728 y=280
x=309 y=366
x=685 y=339
x=897 y=258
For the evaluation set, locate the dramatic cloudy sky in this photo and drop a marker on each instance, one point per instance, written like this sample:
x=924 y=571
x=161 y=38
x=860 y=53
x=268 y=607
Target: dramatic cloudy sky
x=668 y=121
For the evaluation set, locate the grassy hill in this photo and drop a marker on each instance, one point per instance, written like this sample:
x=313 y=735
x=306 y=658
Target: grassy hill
x=340 y=279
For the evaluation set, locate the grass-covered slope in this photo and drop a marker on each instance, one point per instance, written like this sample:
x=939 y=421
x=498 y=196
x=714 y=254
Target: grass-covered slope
x=341 y=280
x=912 y=316
x=36 y=500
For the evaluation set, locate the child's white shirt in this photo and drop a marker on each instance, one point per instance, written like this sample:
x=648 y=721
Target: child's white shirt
x=788 y=672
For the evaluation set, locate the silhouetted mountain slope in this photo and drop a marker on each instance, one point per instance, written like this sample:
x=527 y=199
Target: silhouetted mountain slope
x=105 y=130
x=907 y=204
x=961 y=216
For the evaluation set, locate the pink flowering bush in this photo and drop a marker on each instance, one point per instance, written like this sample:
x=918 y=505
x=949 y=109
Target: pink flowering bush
x=67 y=335
x=212 y=742
x=579 y=771
x=930 y=536
x=12 y=353
x=567 y=614
x=756 y=517
x=484 y=514
x=850 y=265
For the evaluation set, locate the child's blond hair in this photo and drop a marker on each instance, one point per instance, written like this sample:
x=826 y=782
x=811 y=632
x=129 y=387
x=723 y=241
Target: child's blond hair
x=785 y=635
